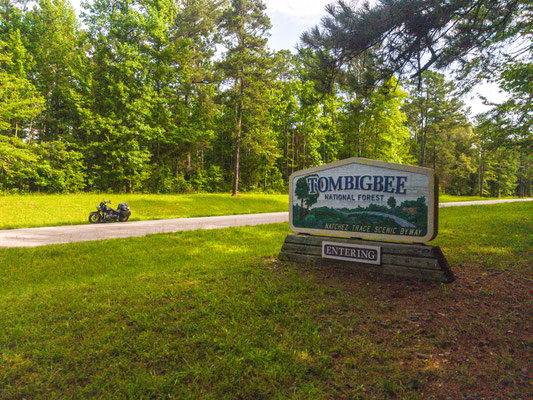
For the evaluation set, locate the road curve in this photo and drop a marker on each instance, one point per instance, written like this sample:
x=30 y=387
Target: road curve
x=32 y=237
x=400 y=221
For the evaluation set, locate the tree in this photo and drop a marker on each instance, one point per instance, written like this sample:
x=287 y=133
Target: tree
x=505 y=133
x=31 y=166
x=181 y=40
x=373 y=124
x=433 y=109
x=245 y=26
x=409 y=36
x=442 y=137
x=118 y=98
x=302 y=192
x=54 y=40
x=19 y=101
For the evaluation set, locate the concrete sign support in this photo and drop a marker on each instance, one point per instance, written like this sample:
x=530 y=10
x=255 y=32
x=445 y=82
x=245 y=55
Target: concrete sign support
x=366 y=199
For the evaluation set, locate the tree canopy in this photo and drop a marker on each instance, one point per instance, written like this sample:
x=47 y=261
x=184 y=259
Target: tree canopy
x=410 y=36
x=181 y=96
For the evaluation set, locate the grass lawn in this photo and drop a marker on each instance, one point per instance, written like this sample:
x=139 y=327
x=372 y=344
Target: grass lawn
x=448 y=198
x=28 y=211
x=213 y=315
x=70 y=209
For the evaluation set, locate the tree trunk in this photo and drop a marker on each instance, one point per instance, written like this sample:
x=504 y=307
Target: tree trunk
x=285 y=151
x=434 y=156
x=423 y=148
x=304 y=155
x=481 y=173
x=238 y=133
x=521 y=172
x=424 y=131
x=498 y=182
x=188 y=166
x=293 y=160
x=236 y=167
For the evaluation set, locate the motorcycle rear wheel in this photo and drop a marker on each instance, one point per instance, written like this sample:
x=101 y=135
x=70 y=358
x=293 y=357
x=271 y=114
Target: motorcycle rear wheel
x=94 y=218
x=123 y=218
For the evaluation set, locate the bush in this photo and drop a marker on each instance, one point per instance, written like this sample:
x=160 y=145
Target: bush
x=50 y=167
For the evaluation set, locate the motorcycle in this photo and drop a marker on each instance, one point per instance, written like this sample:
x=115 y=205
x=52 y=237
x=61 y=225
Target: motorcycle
x=107 y=214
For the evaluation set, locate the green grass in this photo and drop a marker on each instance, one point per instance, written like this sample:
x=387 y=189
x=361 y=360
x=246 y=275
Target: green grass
x=212 y=315
x=497 y=235
x=26 y=211
x=448 y=198
x=69 y=209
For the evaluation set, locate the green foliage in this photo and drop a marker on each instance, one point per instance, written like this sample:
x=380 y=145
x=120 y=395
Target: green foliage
x=442 y=138
x=164 y=96
x=406 y=36
x=246 y=67
x=18 y=164
x=53 y=38
x=383 y=134
x=19 y=100
x=506 y=131
x=28 y=167
x=67 y=170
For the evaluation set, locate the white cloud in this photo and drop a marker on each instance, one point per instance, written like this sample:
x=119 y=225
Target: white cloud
x=298 y=8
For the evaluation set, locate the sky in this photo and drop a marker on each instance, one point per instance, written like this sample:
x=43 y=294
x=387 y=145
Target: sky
x=290 y=18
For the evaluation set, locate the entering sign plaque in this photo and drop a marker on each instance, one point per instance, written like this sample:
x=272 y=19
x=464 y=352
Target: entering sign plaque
x=352 y=252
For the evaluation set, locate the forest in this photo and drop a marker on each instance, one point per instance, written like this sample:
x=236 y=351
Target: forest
x=180 y=96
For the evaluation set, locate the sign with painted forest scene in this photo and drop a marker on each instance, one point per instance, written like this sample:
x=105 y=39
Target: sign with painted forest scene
x=364 y=198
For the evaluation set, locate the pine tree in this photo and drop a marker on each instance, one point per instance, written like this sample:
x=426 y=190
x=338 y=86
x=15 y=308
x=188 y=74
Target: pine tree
x=19 y=100
x=54 y=40
x=245 y=66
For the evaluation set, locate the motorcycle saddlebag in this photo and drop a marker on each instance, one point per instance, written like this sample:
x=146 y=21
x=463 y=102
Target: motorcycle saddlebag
x=123 y=206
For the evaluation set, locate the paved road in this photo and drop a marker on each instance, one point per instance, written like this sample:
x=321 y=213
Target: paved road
x=31 y=237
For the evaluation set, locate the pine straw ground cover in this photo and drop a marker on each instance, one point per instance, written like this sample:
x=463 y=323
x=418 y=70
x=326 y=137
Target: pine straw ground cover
x=213 y=315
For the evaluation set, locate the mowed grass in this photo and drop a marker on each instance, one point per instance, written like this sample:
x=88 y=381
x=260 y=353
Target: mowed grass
x=27 y=211
x=213 y=315
x=448 y=198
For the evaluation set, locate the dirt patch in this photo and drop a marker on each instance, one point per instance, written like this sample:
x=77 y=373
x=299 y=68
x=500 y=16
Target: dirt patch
x=470 y=339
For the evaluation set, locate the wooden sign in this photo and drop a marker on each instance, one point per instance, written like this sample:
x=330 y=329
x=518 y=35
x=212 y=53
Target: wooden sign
x=369 y=199
x=365 y=198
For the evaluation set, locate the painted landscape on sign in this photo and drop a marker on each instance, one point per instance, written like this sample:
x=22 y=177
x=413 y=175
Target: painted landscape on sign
x=363 y=199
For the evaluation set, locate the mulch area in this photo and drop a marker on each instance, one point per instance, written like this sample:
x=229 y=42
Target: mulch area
x=470 y=339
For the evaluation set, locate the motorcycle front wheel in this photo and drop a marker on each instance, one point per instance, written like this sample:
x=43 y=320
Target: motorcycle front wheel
x=94 y=218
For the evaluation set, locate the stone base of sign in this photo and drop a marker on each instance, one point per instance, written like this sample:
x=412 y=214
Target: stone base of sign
x=400 y=259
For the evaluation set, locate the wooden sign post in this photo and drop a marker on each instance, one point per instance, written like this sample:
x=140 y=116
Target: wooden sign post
x=372 y=205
